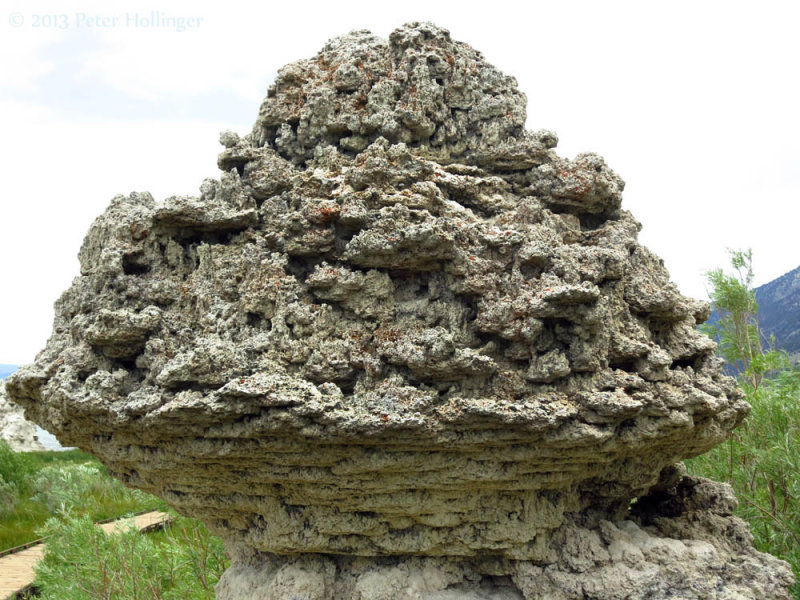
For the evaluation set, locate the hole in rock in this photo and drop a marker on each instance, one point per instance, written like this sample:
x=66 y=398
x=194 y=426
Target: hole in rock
x=423 y=289
x=529 y=271
x=366 y=514
x=490 y=586
x=347 y=386
x=133 y=264
x=301 y=266
x=258 y=321
x=498 y=581
x=684 y=362
x=623 y=365
x=192 y=237
x=590 y=222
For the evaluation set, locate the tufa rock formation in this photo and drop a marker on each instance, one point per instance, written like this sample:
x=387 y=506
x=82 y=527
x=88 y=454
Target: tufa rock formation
x=401 y=349
x=14 y=429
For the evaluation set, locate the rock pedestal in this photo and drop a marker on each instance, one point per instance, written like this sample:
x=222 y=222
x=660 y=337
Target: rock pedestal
x=401 y=349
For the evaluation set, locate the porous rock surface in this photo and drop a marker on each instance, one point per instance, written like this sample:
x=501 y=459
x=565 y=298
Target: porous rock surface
x=402 y=349
x=14 y=429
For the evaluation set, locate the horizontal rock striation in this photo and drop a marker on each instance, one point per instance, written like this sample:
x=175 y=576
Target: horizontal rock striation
x=399 y=335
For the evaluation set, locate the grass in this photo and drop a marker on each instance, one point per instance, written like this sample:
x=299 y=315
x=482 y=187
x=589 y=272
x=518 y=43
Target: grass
x=184 y=562
x=35 y=486
x=59 y=495
x=761 y=461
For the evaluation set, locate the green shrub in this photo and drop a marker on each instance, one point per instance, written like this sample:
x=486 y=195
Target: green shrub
x=48 y=483
x=62 y=488
x=761 y=460
x=15 y=467
x=83 y=563
x=9 y=496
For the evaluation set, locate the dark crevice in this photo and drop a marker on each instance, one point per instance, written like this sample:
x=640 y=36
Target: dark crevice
x=351 y=154
x=560 y=328
x=367 y=514
x=465 y=199
x=233 y=163
x=132 y=264
x=347 y=386
x=493 y=582
x=410 y=285
x=529 y=271
x=344 y=234
x=684 y=362
x=590 y=222
x=257 y=321
x=302 y=266
x=486 y=337
x=471 y=303
x=129 y=364
x=189 y=386
x=626 y=365
x=189 y=237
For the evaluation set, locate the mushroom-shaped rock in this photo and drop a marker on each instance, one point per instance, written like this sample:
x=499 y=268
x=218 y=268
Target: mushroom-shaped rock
x=402 y=349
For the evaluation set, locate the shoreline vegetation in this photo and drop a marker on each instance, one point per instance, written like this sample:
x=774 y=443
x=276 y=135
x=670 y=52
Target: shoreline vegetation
x=35 y=486
x=61 y=495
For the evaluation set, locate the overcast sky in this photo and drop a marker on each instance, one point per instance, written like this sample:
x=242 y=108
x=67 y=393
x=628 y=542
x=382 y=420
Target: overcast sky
x=695 y=105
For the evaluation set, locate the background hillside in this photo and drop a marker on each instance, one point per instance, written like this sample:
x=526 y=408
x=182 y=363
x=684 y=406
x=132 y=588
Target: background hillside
x=779 y=311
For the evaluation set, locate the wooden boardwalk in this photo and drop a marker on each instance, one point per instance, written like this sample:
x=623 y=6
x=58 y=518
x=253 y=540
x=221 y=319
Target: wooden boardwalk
x=17 y=569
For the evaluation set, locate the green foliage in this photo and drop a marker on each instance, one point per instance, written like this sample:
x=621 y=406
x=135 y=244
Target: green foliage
x=737 y=331
x=41 y=484
x=15 y=467
x=41 y=458
x=761 y=461
x=83 y=563
x=9 y=495
x=762 y=458
x=64 y=488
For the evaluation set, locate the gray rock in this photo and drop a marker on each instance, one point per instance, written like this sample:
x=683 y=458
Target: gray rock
x=401 y=349
x=14 y=429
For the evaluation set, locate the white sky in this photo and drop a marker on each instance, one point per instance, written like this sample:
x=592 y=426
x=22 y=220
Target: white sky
x=695 y=104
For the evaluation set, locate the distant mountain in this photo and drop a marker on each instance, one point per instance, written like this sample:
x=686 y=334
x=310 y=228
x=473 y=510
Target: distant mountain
x=779 y=311
x=6 y=370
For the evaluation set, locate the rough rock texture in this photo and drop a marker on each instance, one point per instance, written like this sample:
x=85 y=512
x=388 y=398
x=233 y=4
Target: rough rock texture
x=14 y=429
x=401 y=349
